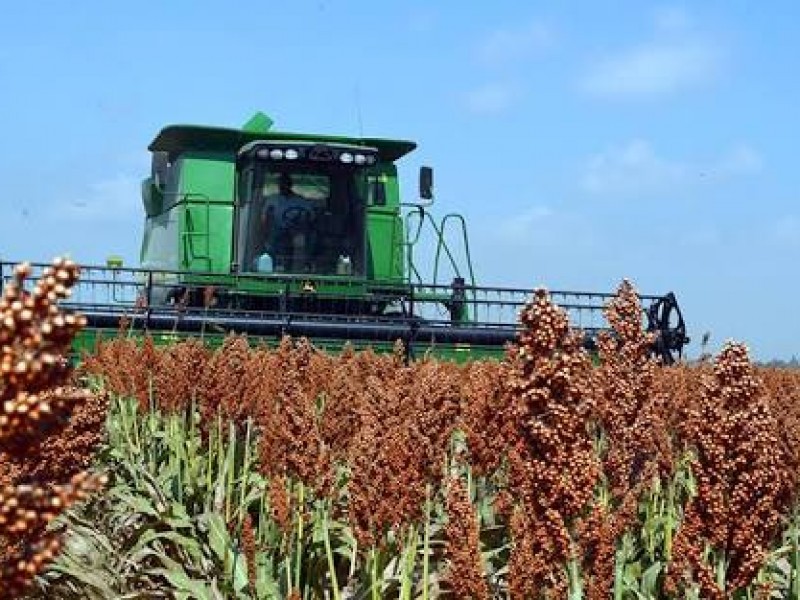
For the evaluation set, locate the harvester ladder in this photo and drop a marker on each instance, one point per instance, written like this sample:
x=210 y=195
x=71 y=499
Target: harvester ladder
x=189 y=234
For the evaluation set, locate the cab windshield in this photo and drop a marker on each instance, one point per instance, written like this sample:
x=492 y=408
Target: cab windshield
x=301 y=219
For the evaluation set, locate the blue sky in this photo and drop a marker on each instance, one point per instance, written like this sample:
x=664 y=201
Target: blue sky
x=584 y=142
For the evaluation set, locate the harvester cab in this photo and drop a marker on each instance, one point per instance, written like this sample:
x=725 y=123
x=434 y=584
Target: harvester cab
x=271 y=233
x=301 y=208
x=264 y=211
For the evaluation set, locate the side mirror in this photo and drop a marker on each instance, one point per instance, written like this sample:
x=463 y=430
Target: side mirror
x=426 y=183
x=159 y=169
x=152 y=198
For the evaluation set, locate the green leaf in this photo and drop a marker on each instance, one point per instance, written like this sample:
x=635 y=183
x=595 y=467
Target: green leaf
x=234 y=563
x=650 y=577
x=267 y=586
x=185 y=586
x=90 y=578
x=139 y=504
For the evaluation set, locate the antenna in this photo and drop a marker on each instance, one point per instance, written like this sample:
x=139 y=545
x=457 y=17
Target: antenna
x=358 y=111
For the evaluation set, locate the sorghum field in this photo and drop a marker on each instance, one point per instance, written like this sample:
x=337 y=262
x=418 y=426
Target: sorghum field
x=256 y=472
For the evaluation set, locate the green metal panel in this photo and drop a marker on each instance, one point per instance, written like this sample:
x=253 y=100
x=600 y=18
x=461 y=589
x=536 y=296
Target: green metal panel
x=385 y=228
x=207 y=193
x=385 y=238
x=87 y=341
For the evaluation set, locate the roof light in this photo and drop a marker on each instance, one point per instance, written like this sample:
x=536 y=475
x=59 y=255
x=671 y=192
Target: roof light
x=370 y=159
x=276 y=154
x=292 y=154
x=346 y=157
x=360 y=159
x=262 y=153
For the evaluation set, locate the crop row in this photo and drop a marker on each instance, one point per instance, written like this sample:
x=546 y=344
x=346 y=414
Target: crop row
x=256 y=472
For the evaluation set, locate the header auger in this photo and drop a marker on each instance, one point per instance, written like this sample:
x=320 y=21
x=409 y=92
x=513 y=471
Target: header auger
x=272 y=233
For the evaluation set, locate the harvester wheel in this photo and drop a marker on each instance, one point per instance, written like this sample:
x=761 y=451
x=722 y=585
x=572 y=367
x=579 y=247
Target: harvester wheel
x=664 y=318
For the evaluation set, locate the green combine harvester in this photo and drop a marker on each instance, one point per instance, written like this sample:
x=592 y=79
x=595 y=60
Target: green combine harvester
x=271 y=233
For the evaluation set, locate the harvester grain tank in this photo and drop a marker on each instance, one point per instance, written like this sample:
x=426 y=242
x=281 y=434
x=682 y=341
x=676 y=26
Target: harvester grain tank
x=271 y=233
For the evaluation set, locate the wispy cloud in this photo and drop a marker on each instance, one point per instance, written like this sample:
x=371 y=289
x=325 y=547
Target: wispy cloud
x=636 y=168
x=739 y=159
x=502 y=52
x=491 y=98
x=654 y=70
x=519 y=227
x=676 y=58
x=504 y=46
x=632 y=167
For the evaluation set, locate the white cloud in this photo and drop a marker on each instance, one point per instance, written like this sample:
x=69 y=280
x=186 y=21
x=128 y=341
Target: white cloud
x=113 y=199
x=635 y=168
x=675 y=58
x=498 y=50
x=503 y=46
x=654 y=69
x=519 y=227
x=631 y=168
x=491 y=98
x=740 y=159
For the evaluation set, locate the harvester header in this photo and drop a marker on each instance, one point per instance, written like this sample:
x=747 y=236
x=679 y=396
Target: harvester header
x=271 y=233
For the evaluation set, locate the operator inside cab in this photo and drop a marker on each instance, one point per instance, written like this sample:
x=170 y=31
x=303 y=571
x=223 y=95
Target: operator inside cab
x=287 y=220
x=302 y=209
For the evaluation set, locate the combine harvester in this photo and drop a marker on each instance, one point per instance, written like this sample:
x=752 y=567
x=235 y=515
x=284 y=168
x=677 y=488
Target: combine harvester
x=271 y=233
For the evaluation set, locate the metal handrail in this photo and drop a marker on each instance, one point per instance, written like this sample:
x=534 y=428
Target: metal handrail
x=189 y=233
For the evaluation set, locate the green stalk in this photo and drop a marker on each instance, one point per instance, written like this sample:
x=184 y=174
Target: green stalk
x=575 y=584
x=135 y=427
x=619 y=568
x=245 y=471
x=374 y=588
x=651 y=509
x=795 y=561
x=720 y=568
x=329 y=553
x=129 y=434
x=670 y=521
x=230 y=468
x=426 y=544
x=191 y=415
x=263 y=519
x=213 y=437
x=620 y=559
x=354 y=560
x=288 y=563
x=176 y=441
x=299 y=549
x=408 y=566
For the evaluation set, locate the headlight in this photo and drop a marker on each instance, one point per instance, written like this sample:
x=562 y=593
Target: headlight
x=292 y=154
x=346 y=157
x=276 y=154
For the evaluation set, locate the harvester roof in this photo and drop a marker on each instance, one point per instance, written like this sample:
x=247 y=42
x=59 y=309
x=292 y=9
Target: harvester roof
x=175 y=139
